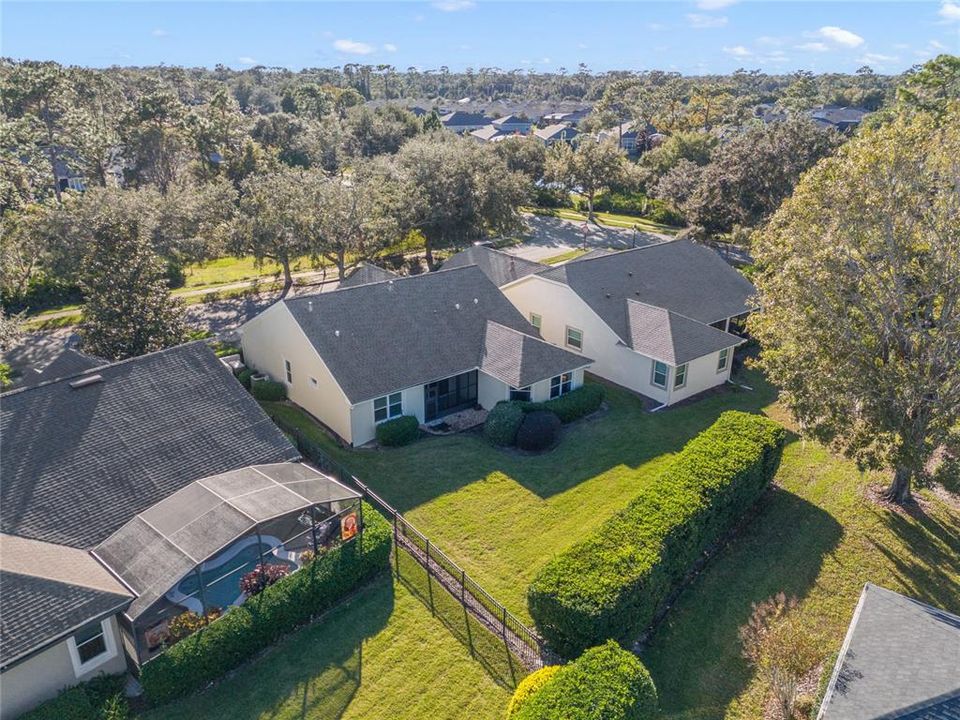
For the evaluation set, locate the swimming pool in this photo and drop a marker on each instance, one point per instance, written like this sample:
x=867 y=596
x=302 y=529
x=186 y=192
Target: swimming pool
x=222 y=583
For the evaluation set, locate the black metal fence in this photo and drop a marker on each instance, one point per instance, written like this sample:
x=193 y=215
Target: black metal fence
x=520 y=640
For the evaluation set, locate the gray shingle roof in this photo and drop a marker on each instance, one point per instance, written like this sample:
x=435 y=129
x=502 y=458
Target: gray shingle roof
x=900 y=659
x=557 y=130
x=80 y=462
x=488 y=132
x=520 y=360
x=66 y=363
x=459 y=118
x=37 y=611
x=681 y=276
x=664 y=335
x=367 y=273
x=380 y=338
x=500 y=267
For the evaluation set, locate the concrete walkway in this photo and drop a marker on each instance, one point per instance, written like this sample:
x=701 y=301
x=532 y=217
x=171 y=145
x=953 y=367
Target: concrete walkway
x=548 y=236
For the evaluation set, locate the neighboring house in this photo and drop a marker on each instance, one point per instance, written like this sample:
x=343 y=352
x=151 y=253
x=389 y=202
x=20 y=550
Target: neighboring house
x=843 y=119
x=423 y=345
x=84 y=456
x=558 y=132
x=899 y=661
x=568 y=117
x=68 y=178
x=513 y=124
x=65 y=363
x=654 y=319
x=461 y=122
x=628 y=136
x=500 y=267
x=487 y=133
x=366 y=273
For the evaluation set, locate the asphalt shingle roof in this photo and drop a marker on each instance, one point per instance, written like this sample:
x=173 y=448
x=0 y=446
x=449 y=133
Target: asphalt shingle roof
x=900 y=660
x=487 y=132
x=78 y=463
x=367 y=273
x=520 y=360
x=66 y=363
x=500 y=267
x=380 y=338
x=556 y=130
x=459 y=118
x=664 y=335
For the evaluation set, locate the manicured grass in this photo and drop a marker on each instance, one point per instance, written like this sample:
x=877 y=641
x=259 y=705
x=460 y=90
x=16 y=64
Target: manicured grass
x=502 y=515
x=233 y=269
x=611 y=219
x=382 y=655
x=564 y=257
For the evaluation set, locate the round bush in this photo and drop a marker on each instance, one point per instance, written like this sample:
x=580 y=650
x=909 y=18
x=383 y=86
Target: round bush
x=502 y=423
x=244 y=377
x=399 y=431
x=538 y=431
x=528 y=687
x=269 y=390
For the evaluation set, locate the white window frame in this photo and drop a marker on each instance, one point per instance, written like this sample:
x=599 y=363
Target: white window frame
x=536 y=321
x=680 y=376
x=388 y=406
x=723 y=360
x=558 y=382
x=527 y=390
x=287 y=372
x=653 y=374
x=566 y=338
x=83 y=668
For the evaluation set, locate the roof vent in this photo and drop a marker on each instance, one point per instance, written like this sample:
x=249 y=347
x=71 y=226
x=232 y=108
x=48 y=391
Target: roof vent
x=476 y=301
x=88 y=380
x=457 y=305
x=336 y=333
x=608 y=296
x=630 y=273
x=309 y=305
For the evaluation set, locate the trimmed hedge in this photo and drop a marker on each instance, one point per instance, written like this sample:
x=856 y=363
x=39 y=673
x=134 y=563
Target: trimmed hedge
x=530 y=686
x=244 y=377
x=502 y=423
x=538 y=431
x=101 y=698
x=611 y=584
x=577 y=403
x=262 y=620
x=399 y=431
x=605 y=683
x=270 y=390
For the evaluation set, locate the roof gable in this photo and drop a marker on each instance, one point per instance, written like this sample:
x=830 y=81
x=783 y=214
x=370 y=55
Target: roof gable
x=500 y=267
x=367 y=273
x=672 y=338
x=519 y=359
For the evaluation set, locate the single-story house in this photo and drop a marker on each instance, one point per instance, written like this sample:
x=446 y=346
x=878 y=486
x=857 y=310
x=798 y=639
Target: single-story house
x=367 y=273
x=843 y=119
x=900 y=660
x=513 y=124
x=423 y=345
x=500 y=267
x=628 y=136
x=91 y=464
x=461 y=122
x=567 y=117
x=487 y=133
x=558 y=132
x=656 y=319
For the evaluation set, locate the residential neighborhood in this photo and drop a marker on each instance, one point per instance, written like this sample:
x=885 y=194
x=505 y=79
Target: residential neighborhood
x=467 y=360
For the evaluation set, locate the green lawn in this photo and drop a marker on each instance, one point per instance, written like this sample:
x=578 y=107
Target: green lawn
x=612 y=219
x=564 y=256
x=382 y=655
x=816 y=536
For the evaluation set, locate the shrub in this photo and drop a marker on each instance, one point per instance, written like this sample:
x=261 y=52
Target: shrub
x=538 y=431
x=502 y=423
x=261 y=577
x=577 y=403
x=551 y=197
x=244 y=377
x=262 y=620
x=101 y=698
x=611 y=584
x=269 y=390
x=399 y=431
x=530 y=686
x=605 y=683
x=6 y=376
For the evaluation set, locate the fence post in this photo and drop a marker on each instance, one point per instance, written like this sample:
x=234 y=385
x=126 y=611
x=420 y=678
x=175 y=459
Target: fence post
x=463 y=588
x=396 y=546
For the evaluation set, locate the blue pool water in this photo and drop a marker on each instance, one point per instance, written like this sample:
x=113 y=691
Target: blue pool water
x=222 y=583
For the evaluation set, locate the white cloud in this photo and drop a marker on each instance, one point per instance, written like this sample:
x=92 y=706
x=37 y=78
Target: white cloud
x=159 y=32
x=582 y=46
x=737 y=51
x=715 y=4
x=876 y=58
x=937 y=45
x=390 y=47
x=246 y=60
x=839 y=36
x=702 y=22
x=813 y=47
x=949 y=11
x=453 y=5
x=353 y=47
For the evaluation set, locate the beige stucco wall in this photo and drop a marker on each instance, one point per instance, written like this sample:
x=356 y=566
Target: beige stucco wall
x=559 y=307
x=273 y=336
x=41 y=677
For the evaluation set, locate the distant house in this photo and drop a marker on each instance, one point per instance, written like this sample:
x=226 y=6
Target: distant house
x=423 y=345
x=843 y=119
x=628 y=136
x=569 y=117
x=487 y=133
x=367 y=273
x=513 y=124
x=558 y=132
x=656 y=320
x=63 y=364
x=419 y=111
x=500 y=267
x=900 y=660
x=461 y=122
x=67 y=178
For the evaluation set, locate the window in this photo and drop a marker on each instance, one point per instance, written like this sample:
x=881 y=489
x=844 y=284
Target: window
x=92 y=646
x=680 y=379
x=561 y=385
x=288 y=371
x=659 y=375
x=722 y=363
x=575 y=338
x=536 y=321
x=522 y=394
x=387 y=407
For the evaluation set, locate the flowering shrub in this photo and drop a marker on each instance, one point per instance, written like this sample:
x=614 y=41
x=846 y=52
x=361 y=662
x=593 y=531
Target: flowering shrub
x=262 y=576
x=188 y=623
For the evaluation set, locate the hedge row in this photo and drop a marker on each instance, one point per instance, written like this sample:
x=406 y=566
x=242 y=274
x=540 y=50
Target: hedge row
x=399 y=431
x=605 y=683
x=574 y=405
x=611 y=584
x=223 y=645
x=101 y=698
x=268 y=390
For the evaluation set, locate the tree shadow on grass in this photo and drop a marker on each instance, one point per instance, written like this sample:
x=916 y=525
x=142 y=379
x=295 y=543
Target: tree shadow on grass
x=695 y=655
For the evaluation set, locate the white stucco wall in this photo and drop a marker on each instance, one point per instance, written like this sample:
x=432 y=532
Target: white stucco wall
x=702 y=375
x=41 y=677
x=273 y=336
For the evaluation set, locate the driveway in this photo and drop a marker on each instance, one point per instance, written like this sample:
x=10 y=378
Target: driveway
x=548 y=236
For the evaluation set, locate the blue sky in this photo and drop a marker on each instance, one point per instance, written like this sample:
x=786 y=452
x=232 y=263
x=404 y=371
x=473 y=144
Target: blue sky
x=688 y=36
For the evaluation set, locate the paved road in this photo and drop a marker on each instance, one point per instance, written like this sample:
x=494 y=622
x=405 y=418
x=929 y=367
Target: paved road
x=549 y=236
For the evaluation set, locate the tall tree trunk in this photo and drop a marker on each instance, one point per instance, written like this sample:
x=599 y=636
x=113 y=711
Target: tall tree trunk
x=287 y=276
x=428 y=253
x=590 y=207
x=899 y=490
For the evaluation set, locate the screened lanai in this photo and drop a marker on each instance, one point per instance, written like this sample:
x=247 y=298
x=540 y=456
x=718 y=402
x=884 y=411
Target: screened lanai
x=189 y=552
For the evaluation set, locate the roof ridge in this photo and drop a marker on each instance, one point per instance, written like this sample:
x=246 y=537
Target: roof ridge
x=398 y=278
